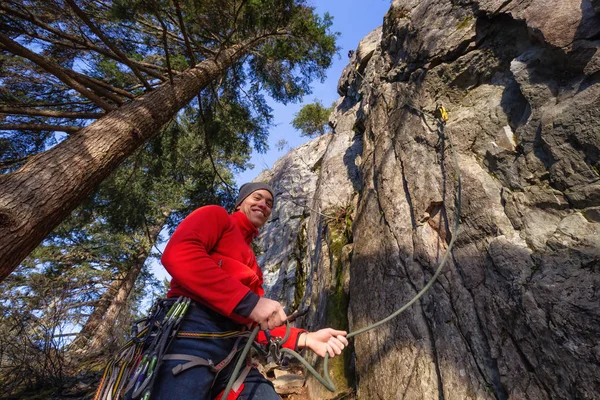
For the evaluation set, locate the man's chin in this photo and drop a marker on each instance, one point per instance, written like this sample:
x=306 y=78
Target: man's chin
x=258 y=222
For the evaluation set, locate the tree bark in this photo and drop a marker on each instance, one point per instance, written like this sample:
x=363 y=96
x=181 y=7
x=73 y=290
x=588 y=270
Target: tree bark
x=98 y=330
x=38 y=196
x=94 y=320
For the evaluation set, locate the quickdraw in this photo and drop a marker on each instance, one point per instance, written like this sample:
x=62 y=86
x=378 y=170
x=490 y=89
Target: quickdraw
x=134 y=368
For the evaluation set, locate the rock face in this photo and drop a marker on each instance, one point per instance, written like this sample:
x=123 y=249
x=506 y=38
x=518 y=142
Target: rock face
x=281 y=246
x=516 y=312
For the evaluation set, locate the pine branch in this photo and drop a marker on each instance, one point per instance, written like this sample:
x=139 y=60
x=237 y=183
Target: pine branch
x=54 y=69
x=123 y=57
x=186 y=39
x=234 y=23
x=207 y=147
x=165 y=46
x=49 y=113
x=83 y=41
x=39 y=127
x=205 y=51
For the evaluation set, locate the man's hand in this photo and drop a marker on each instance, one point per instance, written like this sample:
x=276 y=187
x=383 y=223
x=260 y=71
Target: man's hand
x=268 y=314
x=325 y=341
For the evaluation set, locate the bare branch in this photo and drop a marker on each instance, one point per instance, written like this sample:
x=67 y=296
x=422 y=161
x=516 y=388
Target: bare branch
x=205 y=51
x=49 y=113
x=165 y=46
x=101 y=88
x=188 y=45
x=123 y=57
x=38 y=127
x=68 y=103
x=65 y=335
x=8 y=163
x=54 y=69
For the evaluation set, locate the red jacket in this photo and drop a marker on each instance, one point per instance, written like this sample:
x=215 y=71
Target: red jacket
x=211 y=261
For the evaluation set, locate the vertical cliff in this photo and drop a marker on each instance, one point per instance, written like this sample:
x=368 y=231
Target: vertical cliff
x=516 y=312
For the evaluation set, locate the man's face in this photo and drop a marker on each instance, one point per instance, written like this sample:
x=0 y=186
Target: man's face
x=257 y=207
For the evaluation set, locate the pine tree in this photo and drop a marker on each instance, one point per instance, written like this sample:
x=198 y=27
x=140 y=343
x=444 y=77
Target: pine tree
x=313 y=119
x=129 y=66
x=94 y=264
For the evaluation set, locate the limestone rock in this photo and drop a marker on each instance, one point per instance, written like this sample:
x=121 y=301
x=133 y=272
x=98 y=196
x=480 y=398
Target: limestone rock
x=280 y=246
x=289 y=384
x=516 y=311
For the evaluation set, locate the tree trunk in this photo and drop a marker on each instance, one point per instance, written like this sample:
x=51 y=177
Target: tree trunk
x=103 y=334
x=38 y=196
x=102 y=329
x=95 y=318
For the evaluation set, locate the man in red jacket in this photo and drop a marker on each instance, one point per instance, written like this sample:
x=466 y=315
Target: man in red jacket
x=211 y=261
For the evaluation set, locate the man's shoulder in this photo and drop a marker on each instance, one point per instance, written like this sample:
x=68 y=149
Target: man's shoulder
x=212 y=210
x=207 y=217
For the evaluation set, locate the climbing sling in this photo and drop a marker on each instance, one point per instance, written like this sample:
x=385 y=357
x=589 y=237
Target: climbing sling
x=133 y=371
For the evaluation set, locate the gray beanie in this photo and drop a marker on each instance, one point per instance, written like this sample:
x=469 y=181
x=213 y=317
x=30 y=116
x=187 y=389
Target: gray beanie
x=248 y=188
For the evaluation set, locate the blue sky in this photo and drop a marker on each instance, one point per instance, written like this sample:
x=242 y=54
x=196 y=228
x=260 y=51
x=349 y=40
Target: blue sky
x=353 y=20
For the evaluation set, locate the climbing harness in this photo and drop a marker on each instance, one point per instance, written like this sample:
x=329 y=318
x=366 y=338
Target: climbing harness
x=131 y=374
x=442 y=117
x=134 y=368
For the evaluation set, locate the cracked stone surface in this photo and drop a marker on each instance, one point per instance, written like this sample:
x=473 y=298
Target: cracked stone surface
x=294 y=179
x=516 y=312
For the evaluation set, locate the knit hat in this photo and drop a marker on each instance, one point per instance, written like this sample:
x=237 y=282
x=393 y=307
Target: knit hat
x=248 y=188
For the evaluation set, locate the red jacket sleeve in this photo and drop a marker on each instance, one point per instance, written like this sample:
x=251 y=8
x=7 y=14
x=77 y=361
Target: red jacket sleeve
x=291 y=343
x=186 y=257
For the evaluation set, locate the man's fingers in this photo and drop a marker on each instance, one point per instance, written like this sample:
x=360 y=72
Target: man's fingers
x=336 y=345
x=330 y=350
x=343 y=340
x=276 y=319
x=335 y=332
x=280 y=316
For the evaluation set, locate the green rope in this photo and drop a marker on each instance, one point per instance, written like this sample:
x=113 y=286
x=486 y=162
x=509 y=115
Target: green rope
x=239 y=363
x=327 y=381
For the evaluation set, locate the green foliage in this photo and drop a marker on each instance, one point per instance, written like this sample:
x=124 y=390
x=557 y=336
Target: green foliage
x=312 y=119
x=189 y=164
x=290 y=44
x=281 y=144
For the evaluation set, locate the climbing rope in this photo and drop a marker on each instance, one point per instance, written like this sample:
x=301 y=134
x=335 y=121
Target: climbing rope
x=442 y=117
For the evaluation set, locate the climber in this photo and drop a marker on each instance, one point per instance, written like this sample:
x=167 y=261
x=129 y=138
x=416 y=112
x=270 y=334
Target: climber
x=211 y=262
